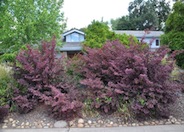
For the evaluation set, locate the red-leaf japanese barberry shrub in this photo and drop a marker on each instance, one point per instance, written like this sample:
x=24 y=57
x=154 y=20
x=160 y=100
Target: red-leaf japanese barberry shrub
x=116 y=75
x=43 y=79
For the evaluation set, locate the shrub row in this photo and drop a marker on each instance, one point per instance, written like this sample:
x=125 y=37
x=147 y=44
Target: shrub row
x=113 y=77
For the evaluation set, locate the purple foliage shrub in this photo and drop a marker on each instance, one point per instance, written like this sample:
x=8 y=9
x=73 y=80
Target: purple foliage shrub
x=115 y=75
x=43 y=79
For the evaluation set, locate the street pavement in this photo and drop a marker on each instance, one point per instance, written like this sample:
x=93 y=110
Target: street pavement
x=161 y=128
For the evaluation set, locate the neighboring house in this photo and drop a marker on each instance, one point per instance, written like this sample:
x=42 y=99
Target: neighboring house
x=72 y=39
x=72 y=42
x=150 y=37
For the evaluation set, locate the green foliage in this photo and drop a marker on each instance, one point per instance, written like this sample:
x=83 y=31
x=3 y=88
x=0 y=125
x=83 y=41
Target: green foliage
x=122 y=23
x=5 y=85
x=175 y=21
x=150 y=14
x=10 y=57
x=88 y=110
x=174 y=31
x=174 y=39
x=28 y=22
x=180 y=60
x=72 y=67
x=97 y=33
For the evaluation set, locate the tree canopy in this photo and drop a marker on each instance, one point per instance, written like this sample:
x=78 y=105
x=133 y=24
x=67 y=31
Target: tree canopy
x=150 y=14
x=97 y=33
x=28 y=22
x=174 y=31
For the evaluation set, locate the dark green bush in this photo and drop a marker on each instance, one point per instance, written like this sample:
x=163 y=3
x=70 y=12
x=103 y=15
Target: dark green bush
x=180 y=60
x=174 y=31
x=175 y=41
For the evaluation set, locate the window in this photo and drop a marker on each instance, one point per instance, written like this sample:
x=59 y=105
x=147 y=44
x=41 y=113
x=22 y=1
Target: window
x=157 y=42
x=74 y=37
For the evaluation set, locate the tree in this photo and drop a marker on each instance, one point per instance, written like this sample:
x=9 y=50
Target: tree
x=174 y=31
x=29 y=21
x=97 y=33
x=114 y=23
x=163 y=10
x=122 y=23
x=150 y=14
x=140 y=15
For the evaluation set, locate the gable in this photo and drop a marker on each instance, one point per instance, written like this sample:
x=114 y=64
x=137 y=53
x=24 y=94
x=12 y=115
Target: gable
x=72 y=31
x=73 y=35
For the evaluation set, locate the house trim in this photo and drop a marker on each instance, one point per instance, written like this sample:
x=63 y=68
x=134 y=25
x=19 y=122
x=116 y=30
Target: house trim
x=72 y=31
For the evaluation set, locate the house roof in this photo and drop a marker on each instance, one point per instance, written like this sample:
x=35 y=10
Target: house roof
x=71 y=31
x=71 y=46
x=140 y=33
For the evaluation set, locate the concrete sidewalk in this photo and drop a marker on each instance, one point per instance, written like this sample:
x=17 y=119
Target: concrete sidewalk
x=161 y=128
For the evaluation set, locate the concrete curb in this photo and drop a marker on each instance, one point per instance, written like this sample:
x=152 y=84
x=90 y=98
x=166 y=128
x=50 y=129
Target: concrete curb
x=161 y=128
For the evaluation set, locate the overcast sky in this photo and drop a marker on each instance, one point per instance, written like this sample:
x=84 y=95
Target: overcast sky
x=80 y=13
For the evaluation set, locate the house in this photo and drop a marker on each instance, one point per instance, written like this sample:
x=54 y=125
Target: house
x=150 y=37
x=72 y=39
x=72 y=42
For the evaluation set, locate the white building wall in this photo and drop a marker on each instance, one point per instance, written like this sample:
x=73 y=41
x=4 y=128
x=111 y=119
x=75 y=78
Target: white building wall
x=152 y=41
